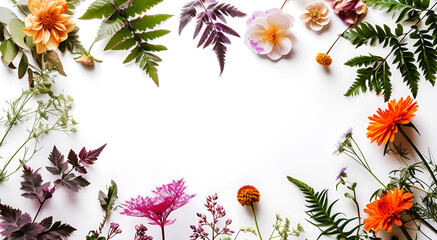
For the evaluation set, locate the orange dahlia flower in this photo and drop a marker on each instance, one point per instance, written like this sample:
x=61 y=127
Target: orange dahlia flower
x=383 y=125
x=247 y=195
x=387 y=210
x=47 y=23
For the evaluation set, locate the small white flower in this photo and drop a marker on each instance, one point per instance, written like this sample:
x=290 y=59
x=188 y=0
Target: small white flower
x=268 y=33
x=316 y=15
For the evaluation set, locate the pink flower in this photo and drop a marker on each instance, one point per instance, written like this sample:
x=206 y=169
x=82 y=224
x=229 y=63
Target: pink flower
x=167 y=198
x=348 y=10
x=268 y=33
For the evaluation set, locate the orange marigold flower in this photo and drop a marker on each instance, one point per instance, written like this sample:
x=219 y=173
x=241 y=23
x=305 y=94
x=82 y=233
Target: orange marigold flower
x=48 y=24
x=383 y=125
x=387 y=210
x=324 y=59
x=247 y=195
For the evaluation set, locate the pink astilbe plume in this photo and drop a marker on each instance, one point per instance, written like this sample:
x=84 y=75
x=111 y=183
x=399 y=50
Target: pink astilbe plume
x=157 y=208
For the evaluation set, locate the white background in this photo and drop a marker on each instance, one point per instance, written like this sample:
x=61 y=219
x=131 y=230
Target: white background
x=257 y=123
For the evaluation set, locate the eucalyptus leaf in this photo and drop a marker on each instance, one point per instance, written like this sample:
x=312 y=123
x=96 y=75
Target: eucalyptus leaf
x=30 y=78
x=16 y=27
x=54 y=59
x=9 y=51
x=22 y=66
x=6 y=15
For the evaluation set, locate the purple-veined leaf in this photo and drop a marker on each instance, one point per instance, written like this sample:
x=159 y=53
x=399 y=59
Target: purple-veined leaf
x=74 y=161
x=72 y=182
x=214 y=32
x=16 y=225
x=56 y=231
x=228 y=10
x=205 y=34
x=88 y=158
x=211 y=38
x=57 y=159
x=220 y=51
x=32 y=184
x=222 y=27
x=199 y=24
x=187 y=13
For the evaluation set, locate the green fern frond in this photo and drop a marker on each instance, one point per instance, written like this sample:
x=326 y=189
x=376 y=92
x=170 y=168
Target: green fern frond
x=401 y=10
x=367 y=33
x=320 y=211
x=129 y=33
x=426 y=54
x=406 y=64
x=375 y=76
x=363 y=60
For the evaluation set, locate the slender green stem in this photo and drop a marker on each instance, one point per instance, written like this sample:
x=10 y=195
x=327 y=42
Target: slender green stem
x=404 y=231
x=418 y=153
x=358 y=212
x=15 y=118
x=256 y=222
x=368 y=169
x=21 y=10
x=418 y=188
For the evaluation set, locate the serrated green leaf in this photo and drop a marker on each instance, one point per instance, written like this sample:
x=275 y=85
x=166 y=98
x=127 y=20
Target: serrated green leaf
x=140 y=6
x=152 y=47
x=132 y=55
x=16 y=28
x=149 y=21
x=109 y=27
x=9 y=50
x=107 y=200
x=363 y=60
x=426 y=54
x=152 y=34
x=118 y=37
x=6 y=15
x=99 y=9
x=406 y=64
x=125 y=44
x=53 y=58
x=22 y=66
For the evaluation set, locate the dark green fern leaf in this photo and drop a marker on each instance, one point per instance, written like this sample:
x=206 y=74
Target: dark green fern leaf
x=367 y=33
x=363 y=61
x=139 y=7
x=406 y=64
x=320 y=211
x=128 y=33
x=375 y=76
x=426 y=54
x=401 y=10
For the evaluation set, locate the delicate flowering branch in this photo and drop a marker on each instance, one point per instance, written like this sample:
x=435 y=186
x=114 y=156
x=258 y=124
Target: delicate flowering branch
x=217 y=212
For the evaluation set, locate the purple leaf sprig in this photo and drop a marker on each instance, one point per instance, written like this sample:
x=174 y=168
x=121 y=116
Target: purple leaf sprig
x=157 y=208
x=16 y=225
x=217 y=211
x=211 y=18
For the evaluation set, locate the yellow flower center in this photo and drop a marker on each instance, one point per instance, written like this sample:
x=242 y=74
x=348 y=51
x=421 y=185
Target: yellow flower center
x=47 y=21
x=272 y=35
x=315 y=15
